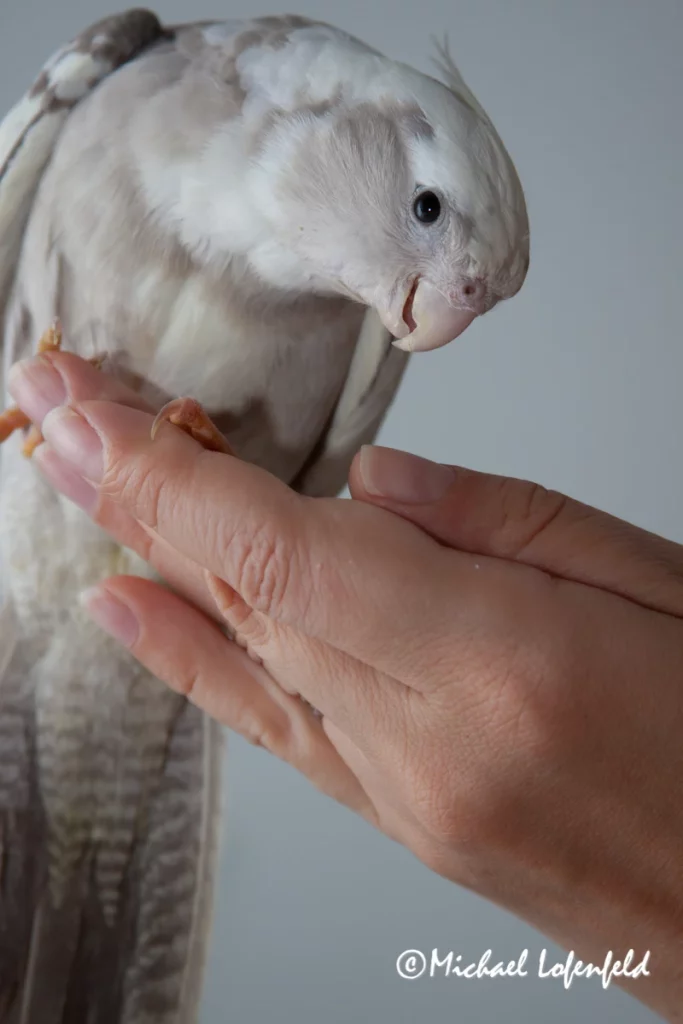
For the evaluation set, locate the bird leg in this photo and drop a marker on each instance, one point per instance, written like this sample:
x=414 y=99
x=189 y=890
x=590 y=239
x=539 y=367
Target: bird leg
x=188 y=414
x=185 y=413
x=13 y=418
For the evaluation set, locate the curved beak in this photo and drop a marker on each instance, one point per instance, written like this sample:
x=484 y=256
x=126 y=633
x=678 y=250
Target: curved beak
x=434 y=321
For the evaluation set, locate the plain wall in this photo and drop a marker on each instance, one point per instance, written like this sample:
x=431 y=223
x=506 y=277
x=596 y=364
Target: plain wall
x=576 y=384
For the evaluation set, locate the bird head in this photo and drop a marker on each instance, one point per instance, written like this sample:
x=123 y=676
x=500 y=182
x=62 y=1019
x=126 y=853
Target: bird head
x=407 y=202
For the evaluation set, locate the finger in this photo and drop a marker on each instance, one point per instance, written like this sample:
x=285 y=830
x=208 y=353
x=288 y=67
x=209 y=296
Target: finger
x=296 y=662
x=53 y=377
x=523 y=522
x=315 y=564
x=179 y=572
x=183 y=648
x=368 y=707
x=392 y=816
x=56 y=378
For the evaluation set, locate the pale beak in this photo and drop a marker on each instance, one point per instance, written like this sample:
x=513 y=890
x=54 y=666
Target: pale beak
x=434 y=320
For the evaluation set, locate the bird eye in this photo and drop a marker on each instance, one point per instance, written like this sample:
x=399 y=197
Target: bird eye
x=427 y=207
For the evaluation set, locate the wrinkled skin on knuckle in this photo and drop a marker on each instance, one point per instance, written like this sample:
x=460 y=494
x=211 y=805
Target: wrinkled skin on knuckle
x=246 y=625
x=251 y=630
x=134 y=484
x=527 y=509
x=261 y=563
x=227 y=601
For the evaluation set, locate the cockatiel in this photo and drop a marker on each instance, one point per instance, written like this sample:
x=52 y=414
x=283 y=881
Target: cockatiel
x=266 y=215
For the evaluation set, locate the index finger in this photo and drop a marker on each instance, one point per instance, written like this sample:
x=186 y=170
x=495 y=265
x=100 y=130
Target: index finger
x=354 y=576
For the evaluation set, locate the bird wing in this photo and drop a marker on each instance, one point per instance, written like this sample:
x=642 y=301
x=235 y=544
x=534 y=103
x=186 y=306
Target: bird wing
x=30 y=130
x=368 y=390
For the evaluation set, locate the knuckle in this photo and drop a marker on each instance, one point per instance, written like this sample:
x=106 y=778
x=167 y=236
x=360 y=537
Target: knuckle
x=527 y=510
x=532 y=705
x=249 y=629
x=230 y=605
x=461 y=810
x=455 y=790
x=431 y=786
x=434 y=855
x=262 y=567
x=521 y=707
x=259 y=733
x=136 y=486
x=518 y=720
x=252 y=632
x=443 y=810
x=190 y=685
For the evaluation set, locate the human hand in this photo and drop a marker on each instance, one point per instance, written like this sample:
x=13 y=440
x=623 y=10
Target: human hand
x=497 y=667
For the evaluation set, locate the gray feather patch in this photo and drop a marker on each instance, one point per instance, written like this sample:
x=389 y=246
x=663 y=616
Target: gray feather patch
x=29 y=132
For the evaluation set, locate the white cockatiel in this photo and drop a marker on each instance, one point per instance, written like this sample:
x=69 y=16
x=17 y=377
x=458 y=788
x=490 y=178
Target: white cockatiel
x=266 y=215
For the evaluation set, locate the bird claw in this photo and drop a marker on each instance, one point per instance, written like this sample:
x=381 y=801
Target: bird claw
x=189 y=415
x=10 y=420
x=51 y=341
x=32 y=440
x=185 y=413
x=14 y=419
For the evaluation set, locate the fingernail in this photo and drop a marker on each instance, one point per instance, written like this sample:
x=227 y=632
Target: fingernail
x=75 y=440
x=401 y=477
x=36 y=387
x=110 y=614
x=65 y=479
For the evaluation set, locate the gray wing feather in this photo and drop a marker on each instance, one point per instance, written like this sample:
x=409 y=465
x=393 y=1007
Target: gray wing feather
x=29 y=132
x=369 y=389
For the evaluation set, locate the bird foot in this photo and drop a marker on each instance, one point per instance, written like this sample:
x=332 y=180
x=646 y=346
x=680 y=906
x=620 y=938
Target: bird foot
x=13 y=419
x=188 y=414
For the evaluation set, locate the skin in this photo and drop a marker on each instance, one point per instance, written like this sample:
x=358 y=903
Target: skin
x=497 y=667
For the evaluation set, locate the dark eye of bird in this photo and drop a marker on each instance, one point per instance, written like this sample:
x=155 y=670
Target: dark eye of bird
x=427 y=207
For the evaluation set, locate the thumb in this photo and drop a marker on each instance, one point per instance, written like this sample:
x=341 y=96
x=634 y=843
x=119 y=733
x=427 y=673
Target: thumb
x=522 y=522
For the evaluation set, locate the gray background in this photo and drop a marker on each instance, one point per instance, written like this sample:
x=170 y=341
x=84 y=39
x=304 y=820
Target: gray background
x=576 y=383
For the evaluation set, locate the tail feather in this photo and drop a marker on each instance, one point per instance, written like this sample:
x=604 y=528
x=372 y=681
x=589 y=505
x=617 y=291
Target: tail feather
x=121 y=940
x=54 y=940
x=131 y=752
x=63 y=713
x=164 y=982
x=22 y=869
